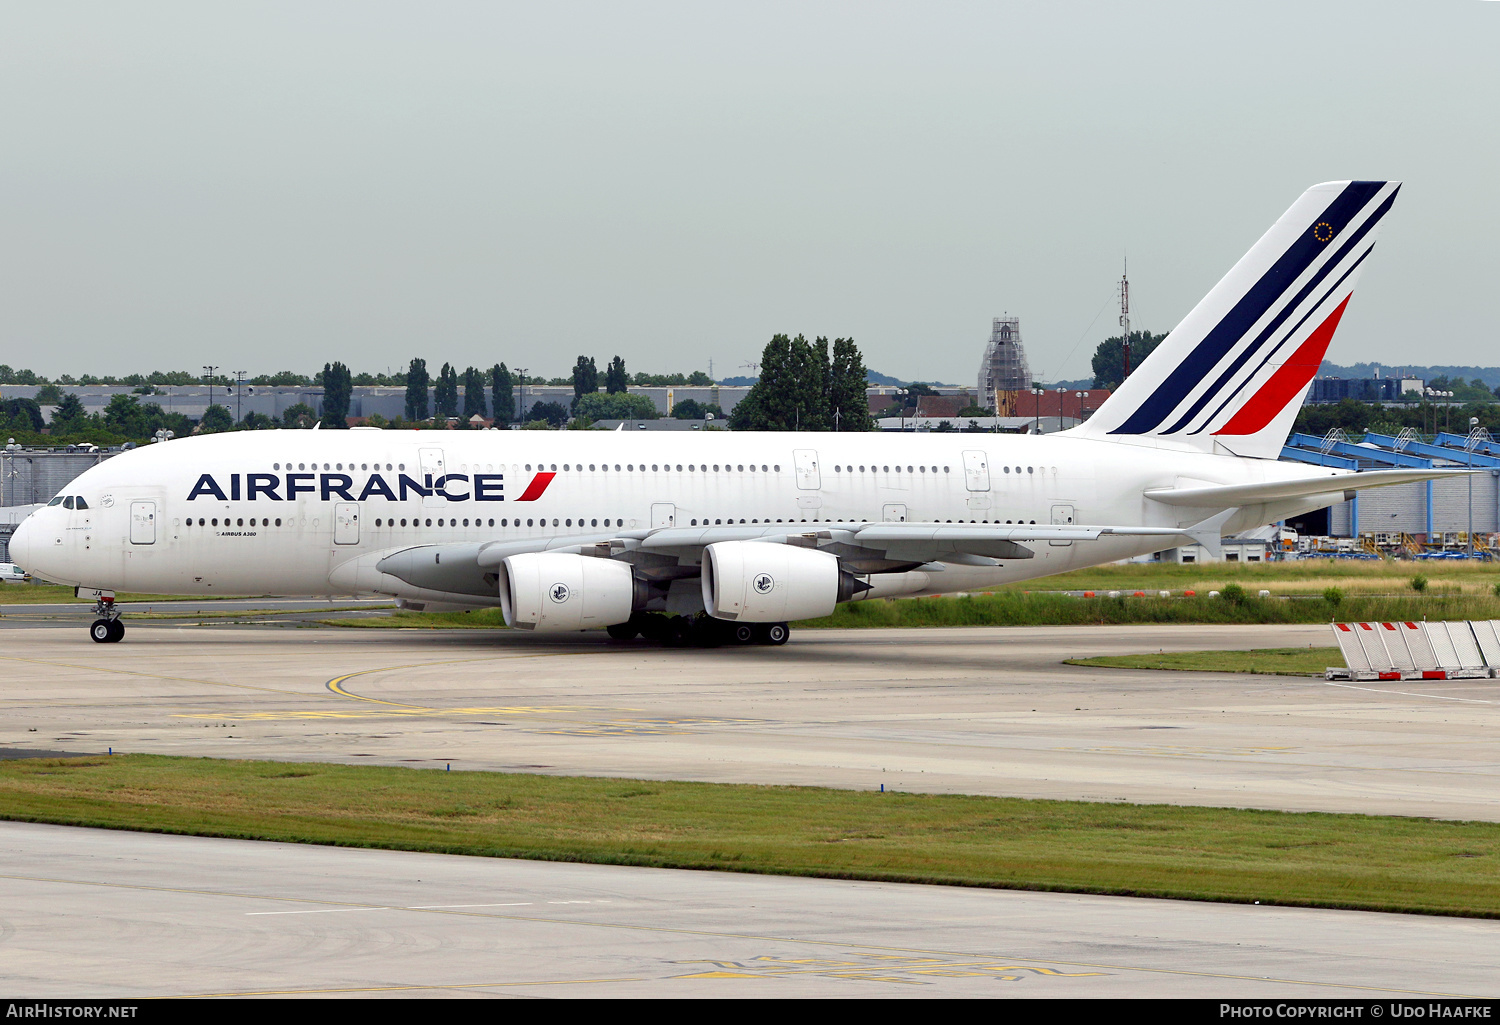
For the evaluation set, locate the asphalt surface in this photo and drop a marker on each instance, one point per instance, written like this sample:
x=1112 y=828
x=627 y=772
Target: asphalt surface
x=96 y=913
x=111 y=914
x=989 y=711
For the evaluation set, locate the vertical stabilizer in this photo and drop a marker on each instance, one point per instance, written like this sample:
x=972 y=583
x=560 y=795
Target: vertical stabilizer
x=1231 y=376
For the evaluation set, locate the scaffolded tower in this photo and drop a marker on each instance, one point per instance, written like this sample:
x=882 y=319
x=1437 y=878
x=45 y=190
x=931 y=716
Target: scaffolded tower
x=1003 y=374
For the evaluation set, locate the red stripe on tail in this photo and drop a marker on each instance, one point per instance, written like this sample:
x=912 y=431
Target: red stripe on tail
x=1287 y=382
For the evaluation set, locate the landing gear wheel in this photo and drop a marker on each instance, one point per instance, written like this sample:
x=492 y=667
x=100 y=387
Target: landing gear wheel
x=743 y=633
x=678 y=632
x=772 y=633
x=116 y=630
x=102 y=631
x=707 y=632
x=622 y=631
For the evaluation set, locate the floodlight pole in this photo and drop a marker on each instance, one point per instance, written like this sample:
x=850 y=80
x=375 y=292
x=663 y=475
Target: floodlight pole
x=208 y=372
x=1473 y=441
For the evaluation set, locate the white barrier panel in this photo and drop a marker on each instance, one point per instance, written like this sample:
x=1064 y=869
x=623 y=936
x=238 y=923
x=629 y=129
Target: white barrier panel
x=1469 y=655
x=1374 y=647
x=1354 y=655
x=1395 y=646
x=1442 y=645
x=1487 y=632
x=1420 y=647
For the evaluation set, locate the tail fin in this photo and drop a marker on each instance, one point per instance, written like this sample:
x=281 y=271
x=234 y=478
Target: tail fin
x=1231 y=376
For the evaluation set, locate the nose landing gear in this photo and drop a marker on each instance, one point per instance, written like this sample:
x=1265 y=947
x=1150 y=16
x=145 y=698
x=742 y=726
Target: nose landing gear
x=108 y=628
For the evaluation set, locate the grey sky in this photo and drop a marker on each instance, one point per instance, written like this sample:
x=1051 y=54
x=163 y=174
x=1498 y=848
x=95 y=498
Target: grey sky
x=267 y=186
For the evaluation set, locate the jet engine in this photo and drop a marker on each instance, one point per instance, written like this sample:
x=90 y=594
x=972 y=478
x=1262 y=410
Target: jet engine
x=764 y=582
x=555 y=592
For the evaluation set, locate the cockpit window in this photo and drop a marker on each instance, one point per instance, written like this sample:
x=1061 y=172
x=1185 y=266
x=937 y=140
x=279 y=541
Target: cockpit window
x=80 y=503
x=68 y=502
x=56 y=501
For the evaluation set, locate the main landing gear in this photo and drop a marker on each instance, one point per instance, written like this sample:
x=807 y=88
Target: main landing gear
x=108 y=628
x=699 y=631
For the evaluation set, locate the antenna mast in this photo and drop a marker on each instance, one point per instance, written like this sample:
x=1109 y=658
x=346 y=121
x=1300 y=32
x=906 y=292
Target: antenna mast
x=1125 y=314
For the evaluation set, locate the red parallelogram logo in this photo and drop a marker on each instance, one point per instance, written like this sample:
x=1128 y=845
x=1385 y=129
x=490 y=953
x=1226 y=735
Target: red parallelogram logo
x=536 y=487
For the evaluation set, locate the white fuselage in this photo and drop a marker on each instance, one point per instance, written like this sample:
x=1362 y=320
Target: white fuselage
x=283 y=512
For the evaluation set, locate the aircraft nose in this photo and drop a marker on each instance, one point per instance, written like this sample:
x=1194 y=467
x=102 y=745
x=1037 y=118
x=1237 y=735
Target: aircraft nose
x=21 y=543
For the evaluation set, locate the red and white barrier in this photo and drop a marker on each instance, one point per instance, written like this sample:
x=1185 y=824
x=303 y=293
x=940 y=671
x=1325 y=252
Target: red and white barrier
x=1417 y=651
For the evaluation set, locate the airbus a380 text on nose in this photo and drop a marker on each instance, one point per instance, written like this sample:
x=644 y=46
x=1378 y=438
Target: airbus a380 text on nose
x=735 y=534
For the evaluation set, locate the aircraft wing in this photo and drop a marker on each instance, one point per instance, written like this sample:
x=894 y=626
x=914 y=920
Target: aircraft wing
x=664 y=554
x=1223 y=496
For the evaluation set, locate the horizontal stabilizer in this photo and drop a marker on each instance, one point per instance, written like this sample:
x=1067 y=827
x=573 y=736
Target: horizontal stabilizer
x=1224 y=496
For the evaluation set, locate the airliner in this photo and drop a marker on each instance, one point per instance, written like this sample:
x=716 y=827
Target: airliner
x=728 y=537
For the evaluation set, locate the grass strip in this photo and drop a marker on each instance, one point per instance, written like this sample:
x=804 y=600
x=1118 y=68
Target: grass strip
x=1293 y=576
x=1277 y=661
x=1312 y=860
x=1015 y=608
x=58 y=594
x=1012 y=608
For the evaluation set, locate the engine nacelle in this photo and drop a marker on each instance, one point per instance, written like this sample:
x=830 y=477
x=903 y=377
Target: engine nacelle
x=554 y=592
x=764 y=582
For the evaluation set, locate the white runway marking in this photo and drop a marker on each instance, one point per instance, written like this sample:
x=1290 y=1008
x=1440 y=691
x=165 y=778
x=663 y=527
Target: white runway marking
x=1410 y=694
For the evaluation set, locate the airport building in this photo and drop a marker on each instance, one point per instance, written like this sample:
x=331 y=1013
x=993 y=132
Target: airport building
x=1368 y=389
x=1421 y=518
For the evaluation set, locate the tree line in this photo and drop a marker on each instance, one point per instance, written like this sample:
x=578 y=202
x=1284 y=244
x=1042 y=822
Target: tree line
x=810 y=386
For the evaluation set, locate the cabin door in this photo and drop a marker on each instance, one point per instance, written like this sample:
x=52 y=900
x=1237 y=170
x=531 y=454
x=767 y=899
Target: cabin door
x=346 y=523
x=432 y=474
x=143 y=523
x=976 y=470
x=808 y=478
x=1062 y=516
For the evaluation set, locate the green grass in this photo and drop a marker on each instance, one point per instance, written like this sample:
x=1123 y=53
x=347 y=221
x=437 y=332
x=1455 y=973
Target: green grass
x=1045 y=608
x=1315 y=860
x=1278 y=661
x=1297 y=576
x=51 y=594
x=1016 y=608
